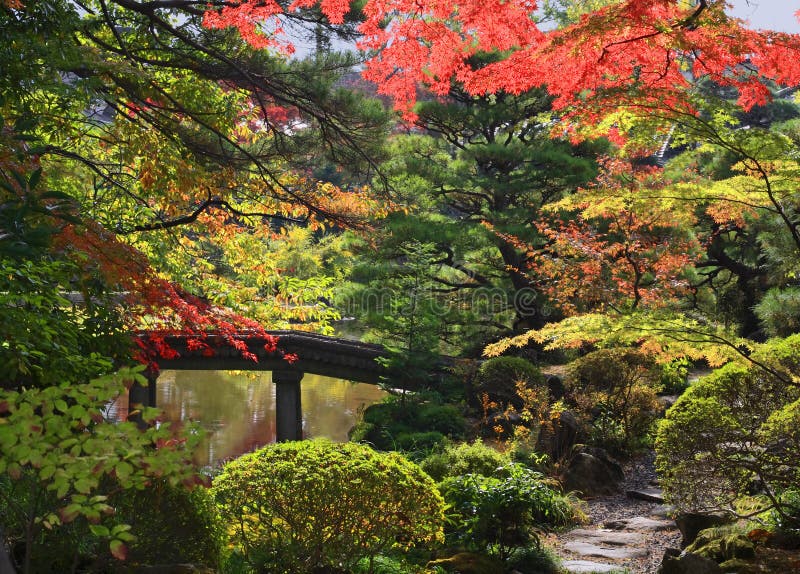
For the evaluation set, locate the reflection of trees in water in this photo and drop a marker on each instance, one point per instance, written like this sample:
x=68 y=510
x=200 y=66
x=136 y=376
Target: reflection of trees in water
x=237 y=408
x=330 y=406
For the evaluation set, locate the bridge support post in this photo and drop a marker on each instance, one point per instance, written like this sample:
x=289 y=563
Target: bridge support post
x=288 y=410
x=140 y=396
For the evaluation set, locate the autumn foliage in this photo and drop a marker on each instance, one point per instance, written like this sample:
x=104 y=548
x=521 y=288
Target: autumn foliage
x=633 y=53
x=626 y=243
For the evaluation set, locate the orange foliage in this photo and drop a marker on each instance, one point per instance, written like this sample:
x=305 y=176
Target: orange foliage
x=625 y=246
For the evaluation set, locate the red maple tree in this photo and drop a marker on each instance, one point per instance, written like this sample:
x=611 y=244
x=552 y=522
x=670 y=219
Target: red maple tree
x=633 y=53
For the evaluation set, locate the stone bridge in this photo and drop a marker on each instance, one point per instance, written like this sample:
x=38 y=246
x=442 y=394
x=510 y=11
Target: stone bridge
x=329 y=356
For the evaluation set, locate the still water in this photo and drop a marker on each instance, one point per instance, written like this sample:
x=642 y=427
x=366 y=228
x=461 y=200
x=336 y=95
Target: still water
x=237 y=409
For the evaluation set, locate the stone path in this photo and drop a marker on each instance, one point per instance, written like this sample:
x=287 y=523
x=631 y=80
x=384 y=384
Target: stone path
x=627 y=532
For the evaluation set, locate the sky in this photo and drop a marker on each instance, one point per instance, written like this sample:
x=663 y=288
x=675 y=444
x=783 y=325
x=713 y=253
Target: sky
x=772 y=14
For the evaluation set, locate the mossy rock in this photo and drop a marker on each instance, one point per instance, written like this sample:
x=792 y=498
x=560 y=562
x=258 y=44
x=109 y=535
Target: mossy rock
x=739 y=566
x=722 y=545
x=468 y=563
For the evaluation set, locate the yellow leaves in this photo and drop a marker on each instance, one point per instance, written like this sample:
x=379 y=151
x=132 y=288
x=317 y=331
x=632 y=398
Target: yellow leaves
x=664 y=335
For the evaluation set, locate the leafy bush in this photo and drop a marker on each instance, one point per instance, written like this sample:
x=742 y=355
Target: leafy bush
x=36 y=549
x=615 y=394
x=736 y=431
x=464 y=458
x=535 y=559
x=674 y=376
x=497 y=515
x=497 y=378
x=412 y=424
x=59 y=454
x=787 y=522
x=172 y=525
x=300 y=506
x=416 y=443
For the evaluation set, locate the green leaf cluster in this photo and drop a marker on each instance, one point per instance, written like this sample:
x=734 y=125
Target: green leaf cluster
x=498 y=513
x=57 y=444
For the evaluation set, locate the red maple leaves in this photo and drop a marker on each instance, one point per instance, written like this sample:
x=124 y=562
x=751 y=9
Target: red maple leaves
x=157 y=308
x=634 y=53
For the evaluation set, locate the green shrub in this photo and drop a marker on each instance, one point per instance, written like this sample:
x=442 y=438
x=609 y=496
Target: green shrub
x=535 y=559
x=300 y=506
x=733 y=432
x=674 y=376
x=384 y=565
x=611 y=369
x=446 y=419
x=47 y=549
x=614 y=391
x=416 y=443
x=787 y=522
x=497 y=515
x=172 y=525
x=413 y=424
x=497 y=379
x=464 y=458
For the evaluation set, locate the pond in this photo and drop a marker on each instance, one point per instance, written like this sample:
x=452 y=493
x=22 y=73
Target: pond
x=237 y=409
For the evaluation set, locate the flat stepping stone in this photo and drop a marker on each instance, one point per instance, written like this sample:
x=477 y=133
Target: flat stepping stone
x=605 y=537
x=662 y=511
x=641 y=524
x=648 y=494
x=595 y=551
x=587 y=567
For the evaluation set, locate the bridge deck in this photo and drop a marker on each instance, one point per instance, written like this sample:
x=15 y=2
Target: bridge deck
x=319 y=354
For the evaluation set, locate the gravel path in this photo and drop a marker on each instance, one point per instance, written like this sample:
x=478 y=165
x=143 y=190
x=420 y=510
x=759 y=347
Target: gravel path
x=612 y=532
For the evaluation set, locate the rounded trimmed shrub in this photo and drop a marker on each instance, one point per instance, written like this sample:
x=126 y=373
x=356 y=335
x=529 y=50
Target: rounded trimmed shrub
x=413 y=425
x=465 y=458
x=734 y=433
x=615 y=392
x=313 y=505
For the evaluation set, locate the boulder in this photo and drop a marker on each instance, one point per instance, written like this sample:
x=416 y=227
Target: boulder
x=558 y=437
x=722 y=544
x=592 y=472
x=691 y=523
x=677 y=562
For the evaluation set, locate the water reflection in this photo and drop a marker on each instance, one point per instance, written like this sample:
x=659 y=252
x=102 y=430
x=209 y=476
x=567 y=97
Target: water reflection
x=238 y=408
